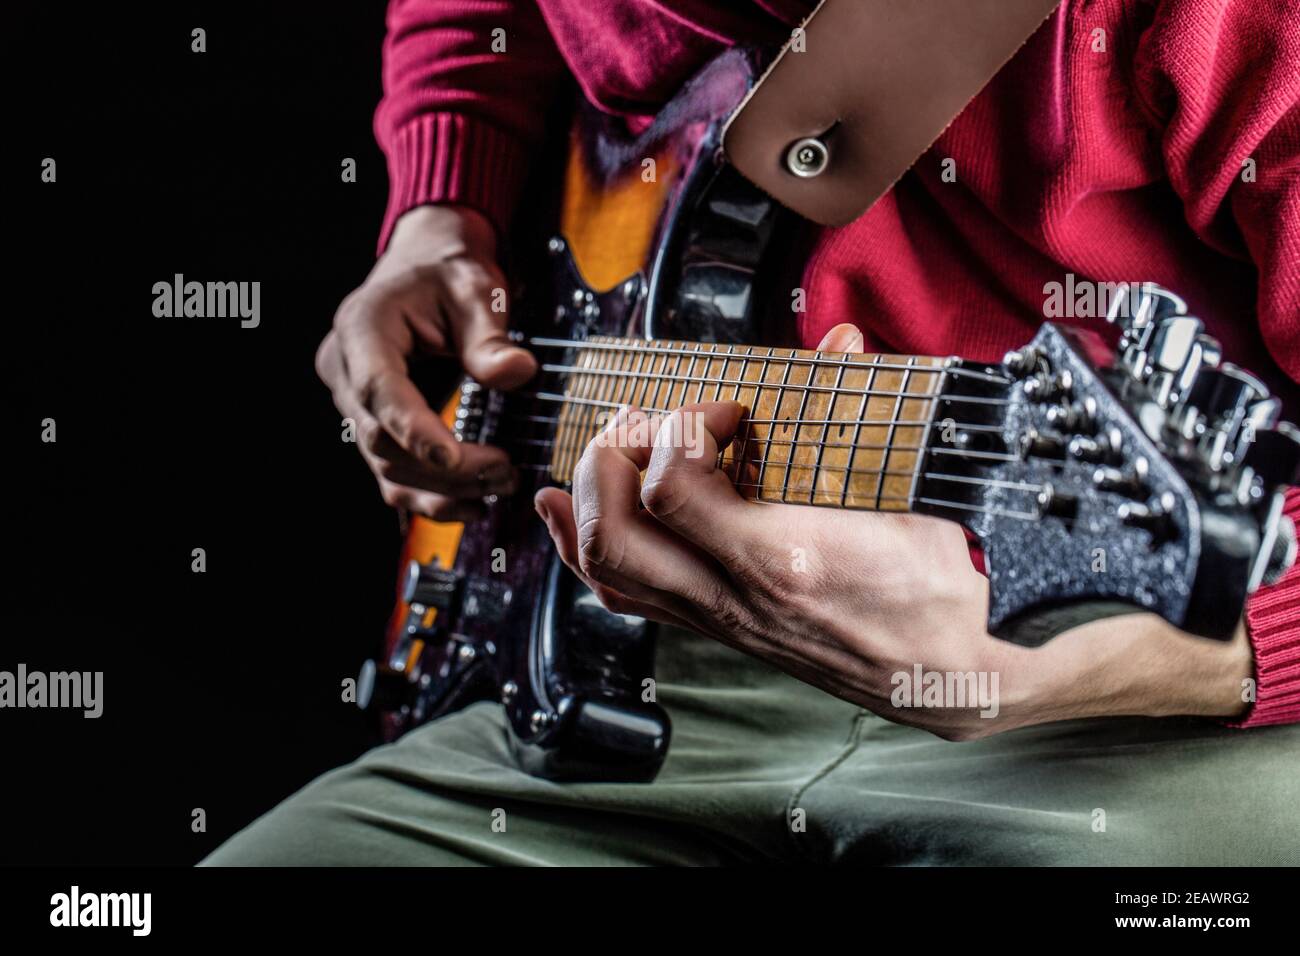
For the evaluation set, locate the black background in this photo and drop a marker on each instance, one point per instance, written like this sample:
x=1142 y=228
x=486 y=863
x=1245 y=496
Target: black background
x=222 y=690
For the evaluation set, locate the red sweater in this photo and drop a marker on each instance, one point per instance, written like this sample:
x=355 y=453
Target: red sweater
x=1117 y=164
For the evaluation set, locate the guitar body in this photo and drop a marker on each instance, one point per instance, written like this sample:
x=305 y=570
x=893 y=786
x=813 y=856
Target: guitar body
x=682 y=240
x=1098 y=480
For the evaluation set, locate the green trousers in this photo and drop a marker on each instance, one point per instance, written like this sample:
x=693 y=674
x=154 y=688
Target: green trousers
x=764 y=768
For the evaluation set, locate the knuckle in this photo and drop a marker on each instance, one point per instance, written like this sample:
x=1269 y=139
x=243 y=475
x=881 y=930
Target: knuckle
x=612 y=600
x=371 y=435
x=387 y=470
x=322 y=364
x=440 y=507
x=597 y=553
x=665 y=493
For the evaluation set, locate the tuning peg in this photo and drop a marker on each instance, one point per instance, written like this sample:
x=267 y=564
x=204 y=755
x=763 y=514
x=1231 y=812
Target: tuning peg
x=1283 y=553
x=1077 y=417
x=1057 y=504
x=1141 y=310
x=1174 y=356
x=1044 y=387
x=1224 y=395
x=1274 y=455
x=1106 y=448
x=1037 y=445
x=1137 y=305
x=1130 y=485
x=431 y=586
x=1156 y=519
x=1022 y=362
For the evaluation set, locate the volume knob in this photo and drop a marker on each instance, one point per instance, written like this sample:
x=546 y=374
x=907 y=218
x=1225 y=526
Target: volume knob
x=379 y=688
x=431 y=586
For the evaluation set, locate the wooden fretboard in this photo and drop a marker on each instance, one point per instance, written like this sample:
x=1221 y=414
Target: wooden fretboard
x=836 y=429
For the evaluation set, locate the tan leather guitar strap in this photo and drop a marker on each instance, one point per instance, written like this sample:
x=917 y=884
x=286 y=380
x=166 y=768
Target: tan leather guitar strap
x=854 y=99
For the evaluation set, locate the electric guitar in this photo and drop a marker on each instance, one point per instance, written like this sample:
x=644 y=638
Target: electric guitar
x=1098 y=480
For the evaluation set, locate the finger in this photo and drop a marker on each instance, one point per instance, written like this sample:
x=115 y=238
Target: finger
x=686 y=492
x=622 y=548
x=476 y=301
x=492 y=480
x=556 y=509
x=375 y=362
x=483 y=470
x=844 y=337
x=434 y=506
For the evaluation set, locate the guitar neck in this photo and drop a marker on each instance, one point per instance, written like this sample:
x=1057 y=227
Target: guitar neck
x=834 y=429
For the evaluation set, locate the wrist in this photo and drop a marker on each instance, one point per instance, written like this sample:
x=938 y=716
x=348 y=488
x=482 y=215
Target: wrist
x=443 y=229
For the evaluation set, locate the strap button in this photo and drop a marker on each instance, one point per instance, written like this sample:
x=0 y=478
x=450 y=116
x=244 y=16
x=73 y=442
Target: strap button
x=807 y=158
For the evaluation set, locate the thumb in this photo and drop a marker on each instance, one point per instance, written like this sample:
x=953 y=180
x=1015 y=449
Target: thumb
x=479 y=331
x=842 y=338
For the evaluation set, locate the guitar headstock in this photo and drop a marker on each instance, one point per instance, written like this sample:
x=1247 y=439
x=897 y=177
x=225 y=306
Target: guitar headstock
x=1149 y=477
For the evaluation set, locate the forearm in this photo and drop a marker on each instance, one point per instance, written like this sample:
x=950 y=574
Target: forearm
x=1140 y=665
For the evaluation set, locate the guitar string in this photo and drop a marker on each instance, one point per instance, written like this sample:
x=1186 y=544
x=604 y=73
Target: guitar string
x=790 y=464
x=937 y=502
x=964 y=453
x=746 y=383
x=574 y=400
x=795 y=358
x=964 y=426
x=834 y=469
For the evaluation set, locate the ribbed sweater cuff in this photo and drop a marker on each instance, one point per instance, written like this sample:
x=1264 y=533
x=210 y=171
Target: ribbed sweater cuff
x=453 y=158
x=1273 y=620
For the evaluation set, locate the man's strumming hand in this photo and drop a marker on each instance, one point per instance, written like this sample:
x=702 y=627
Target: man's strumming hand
x=432 y=292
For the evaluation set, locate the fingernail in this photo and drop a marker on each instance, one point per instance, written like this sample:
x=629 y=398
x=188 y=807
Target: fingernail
x=857 y=344
x=541 y=510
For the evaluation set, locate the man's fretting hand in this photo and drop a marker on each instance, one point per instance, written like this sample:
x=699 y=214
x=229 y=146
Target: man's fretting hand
x=657 y=531
x=432 y=292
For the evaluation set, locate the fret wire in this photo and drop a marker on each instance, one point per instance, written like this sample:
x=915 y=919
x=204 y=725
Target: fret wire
x=645 y=386
x=726 y=360
x=686 y=383
x=587 y=385
x=971 y=399
x=708 y=364
x=592 y=425
x=821 y=446
x=889 y=436
x=967 y=372
x=731 y=351
x=592 y=391
x=803 y=403
x=758 y=397
x=857 y=432
x=640 y=368
x=659 y=382
x=780 y=391
x=593 y=408
x=569 y=414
